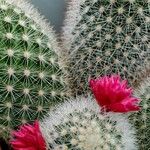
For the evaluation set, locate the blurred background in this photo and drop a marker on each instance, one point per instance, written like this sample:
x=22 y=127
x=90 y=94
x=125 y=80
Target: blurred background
x=53 y=10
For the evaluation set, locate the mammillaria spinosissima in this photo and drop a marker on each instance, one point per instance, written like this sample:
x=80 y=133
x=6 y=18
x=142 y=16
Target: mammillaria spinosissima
x=104 y=37
x=31 y=78
x=141 y=119
x=79 y=125
x=82 y=124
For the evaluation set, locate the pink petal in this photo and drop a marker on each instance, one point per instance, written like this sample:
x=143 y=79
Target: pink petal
x=125 y=106
x=111 y=93
x=29 y=137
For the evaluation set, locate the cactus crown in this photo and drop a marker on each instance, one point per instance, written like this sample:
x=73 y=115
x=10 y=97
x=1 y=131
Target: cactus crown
x=79 y=125
x=30 y=76
x=141 y=119
x=109 y=36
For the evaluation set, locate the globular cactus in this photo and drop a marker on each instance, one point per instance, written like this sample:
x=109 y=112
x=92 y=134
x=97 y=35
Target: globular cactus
x=141 y=119
x=77 y=125
x=83 y=124
x=104 y=37
x=31 y=78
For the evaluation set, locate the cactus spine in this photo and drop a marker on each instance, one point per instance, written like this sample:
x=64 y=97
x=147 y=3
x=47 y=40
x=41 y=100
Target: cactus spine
x=142 y=119
x=31 y=79
x=79 y=125
x=105 y=37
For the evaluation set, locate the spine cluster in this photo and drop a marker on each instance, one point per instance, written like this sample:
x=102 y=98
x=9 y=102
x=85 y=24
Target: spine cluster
x=141 y=119
x=31 y=79
x=107 y=36
x=79 y=125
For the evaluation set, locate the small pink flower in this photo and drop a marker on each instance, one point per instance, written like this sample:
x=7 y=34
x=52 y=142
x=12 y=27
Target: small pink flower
x=29 y=137
x=112 y=94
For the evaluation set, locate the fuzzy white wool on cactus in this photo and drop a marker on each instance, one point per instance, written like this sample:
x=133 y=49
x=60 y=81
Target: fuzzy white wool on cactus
x=141 y=119
x=71 y=19
x=80 y=125
x=106 y=36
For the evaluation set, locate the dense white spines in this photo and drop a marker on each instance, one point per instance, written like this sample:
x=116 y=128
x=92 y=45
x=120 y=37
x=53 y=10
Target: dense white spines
x=32 y=13
x=73 y=15
x=79 y=124
x=110 y=37
x=141 y=119
x=31 y=76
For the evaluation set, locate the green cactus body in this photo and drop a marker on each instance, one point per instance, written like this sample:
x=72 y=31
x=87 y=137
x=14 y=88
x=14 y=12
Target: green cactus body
x=31 y=79
x=104 y=37
x=79 y=125
x=142 y=119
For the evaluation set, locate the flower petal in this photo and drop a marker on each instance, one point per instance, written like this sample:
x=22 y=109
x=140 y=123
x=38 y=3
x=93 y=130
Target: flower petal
x=29 y=137
x=114 y=95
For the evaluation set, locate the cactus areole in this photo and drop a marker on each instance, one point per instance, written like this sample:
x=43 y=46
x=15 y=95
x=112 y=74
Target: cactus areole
x=31 y=79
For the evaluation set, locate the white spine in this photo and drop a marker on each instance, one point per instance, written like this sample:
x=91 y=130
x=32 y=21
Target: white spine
x=55 y=118
x=72 y=18
x=32 y=13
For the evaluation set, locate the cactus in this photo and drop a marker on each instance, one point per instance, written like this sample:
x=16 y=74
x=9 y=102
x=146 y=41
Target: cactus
x=141 y=119
x=80 y=125
x=31 y=78
x=104 y=37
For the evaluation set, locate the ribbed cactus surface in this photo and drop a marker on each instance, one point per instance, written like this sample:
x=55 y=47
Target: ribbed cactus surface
x=31 y=79
x=105 y=37
x=141 y=119
x=80 y=125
